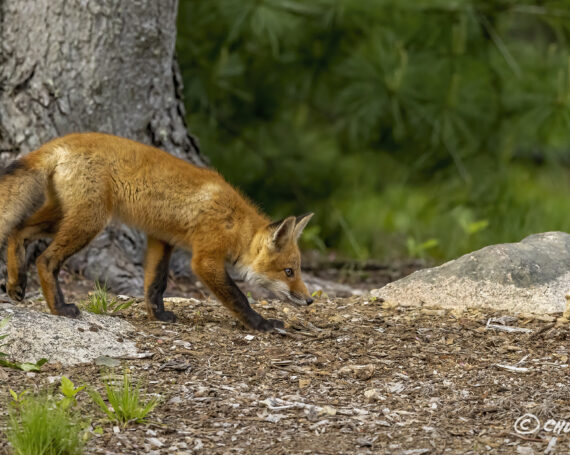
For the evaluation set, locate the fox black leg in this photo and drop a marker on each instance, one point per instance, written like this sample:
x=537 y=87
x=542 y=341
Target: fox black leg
x=155 y=278
x=213 y=274
x=240 y=306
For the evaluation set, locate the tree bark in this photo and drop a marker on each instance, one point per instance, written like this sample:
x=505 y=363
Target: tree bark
x=93 y=65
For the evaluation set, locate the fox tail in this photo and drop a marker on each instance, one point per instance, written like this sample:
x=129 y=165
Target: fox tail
x=21 y=194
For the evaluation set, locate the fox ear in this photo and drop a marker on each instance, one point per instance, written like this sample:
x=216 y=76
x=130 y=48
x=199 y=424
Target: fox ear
x=301 y=222
x=283 y=231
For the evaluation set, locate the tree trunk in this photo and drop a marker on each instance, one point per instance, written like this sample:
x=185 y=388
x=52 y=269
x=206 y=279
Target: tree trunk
x=96 y=65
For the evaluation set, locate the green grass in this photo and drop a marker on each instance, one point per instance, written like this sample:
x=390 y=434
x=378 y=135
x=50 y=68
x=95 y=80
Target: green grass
x=38 y=426
x=101 y=302
x=126 y=405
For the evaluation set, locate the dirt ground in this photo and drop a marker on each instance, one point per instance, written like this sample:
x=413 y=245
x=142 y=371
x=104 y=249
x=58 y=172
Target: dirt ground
x=350 y=376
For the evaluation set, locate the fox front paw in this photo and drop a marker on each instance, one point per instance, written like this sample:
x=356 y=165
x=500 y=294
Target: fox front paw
x=268 y=325
x=16 y=293
x=165 y=316
x=68 y=310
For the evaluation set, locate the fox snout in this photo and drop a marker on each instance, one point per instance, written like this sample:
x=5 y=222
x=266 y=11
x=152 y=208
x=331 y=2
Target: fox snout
x=300 y=298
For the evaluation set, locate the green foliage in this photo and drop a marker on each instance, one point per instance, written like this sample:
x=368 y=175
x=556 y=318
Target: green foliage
x=125 y=400
x=409 y=126
x=18 y=398
x=101 y=302
x=39 y=425
x=69 y=392
x=25 y=366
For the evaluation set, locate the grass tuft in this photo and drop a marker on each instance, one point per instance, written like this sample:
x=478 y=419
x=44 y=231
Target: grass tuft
x=38 y=426
x=125 y=402
x=101 y=302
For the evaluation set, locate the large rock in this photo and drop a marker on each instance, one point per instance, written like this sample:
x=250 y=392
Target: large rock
x=33 y=335
x=531 y=276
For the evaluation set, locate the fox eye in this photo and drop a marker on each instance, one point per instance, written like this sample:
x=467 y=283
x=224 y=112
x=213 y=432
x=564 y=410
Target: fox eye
x=289 y=272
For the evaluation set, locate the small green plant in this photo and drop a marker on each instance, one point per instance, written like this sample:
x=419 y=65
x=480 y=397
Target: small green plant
x=319 y=293
x=100 y=302
x=125 y=400
x=25 y=366
x=69 y=392
x=18 y=398
x=38 y=425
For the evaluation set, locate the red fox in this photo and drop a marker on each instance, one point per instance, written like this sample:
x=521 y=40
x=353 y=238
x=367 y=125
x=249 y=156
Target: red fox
x=70 y=188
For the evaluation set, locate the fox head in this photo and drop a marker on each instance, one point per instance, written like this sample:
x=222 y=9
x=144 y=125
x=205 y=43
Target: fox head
x=276 y=262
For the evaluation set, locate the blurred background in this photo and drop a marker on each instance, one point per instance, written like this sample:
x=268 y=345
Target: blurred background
x=412 y=128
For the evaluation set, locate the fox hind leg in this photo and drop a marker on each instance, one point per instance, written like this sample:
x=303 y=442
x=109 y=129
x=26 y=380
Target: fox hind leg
x=40 y=225
x=157 y=260
x=73 y=233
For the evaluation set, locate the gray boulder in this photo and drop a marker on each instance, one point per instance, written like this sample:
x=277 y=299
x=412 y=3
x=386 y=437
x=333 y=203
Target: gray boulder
x=33 y=335
x=532 y=276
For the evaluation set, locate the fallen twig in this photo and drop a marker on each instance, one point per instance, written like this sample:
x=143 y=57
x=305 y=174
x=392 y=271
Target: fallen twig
x=512 y=368
x=505 y=328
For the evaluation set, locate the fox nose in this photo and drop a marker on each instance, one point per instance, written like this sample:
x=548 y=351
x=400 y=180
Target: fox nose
x=309 y=301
